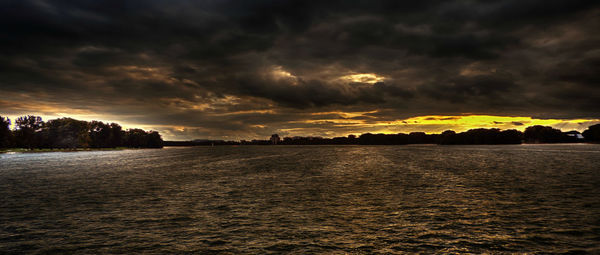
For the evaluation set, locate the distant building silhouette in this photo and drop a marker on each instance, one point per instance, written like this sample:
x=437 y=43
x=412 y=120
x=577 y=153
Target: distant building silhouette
x=275 y=139
x=574 y=134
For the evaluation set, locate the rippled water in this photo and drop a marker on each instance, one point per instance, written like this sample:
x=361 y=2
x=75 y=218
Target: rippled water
x=307 y=199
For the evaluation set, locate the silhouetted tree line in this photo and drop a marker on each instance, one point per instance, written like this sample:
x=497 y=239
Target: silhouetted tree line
x=199 y=143
x=31 y=132
x=482 y=136
x=592 y=134
x=533 y=134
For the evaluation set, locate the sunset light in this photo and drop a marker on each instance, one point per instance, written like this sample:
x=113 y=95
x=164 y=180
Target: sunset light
x=363 y=78
x=300 y=127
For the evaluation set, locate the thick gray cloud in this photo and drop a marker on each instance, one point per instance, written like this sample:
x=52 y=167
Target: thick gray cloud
x=247 y=68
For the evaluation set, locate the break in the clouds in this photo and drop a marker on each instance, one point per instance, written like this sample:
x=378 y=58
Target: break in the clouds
x=246 y=69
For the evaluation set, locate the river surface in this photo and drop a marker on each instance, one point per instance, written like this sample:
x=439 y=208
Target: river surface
x=303 y=200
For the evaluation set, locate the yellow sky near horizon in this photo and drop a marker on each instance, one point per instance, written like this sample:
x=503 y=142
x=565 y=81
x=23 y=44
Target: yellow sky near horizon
x=347 y=123
x=438 y=123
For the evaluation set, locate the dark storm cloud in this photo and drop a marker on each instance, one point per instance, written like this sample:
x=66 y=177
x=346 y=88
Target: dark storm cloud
x=198 y=59
x=462 y=89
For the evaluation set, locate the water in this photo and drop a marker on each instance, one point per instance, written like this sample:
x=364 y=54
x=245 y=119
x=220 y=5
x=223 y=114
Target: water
x=306 y=199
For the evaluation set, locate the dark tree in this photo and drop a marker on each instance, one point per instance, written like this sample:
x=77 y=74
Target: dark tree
x=543 y=134
x=100 y=135
x=448 y=137
x=592 y=134
x=67 y=133
x=31 y=132
x=5 y=134
x=138 y=138
x=383 y=139
x=116 y=135
x=481 y=136
x=135 y=138
x=511 y=136
x=153 y=140
x=27 y=131
x=419 y=138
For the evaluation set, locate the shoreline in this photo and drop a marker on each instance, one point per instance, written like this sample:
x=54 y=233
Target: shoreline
x=22 y=150
x=408 y=144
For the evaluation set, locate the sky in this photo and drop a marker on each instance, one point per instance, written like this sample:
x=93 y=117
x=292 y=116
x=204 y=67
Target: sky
x=220 y=69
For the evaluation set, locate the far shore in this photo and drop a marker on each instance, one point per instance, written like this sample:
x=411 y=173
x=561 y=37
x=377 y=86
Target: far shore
x=23 y=150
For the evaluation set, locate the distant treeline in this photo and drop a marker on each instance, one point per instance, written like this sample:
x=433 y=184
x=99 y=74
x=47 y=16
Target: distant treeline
x=533 y=134
x=31 y=132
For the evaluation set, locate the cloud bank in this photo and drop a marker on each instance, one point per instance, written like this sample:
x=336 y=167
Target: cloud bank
x=244 y=69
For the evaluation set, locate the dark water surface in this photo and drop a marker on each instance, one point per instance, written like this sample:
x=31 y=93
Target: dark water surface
x=307 y=199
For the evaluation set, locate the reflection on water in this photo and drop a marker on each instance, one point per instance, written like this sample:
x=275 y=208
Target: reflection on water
x=310 y=199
